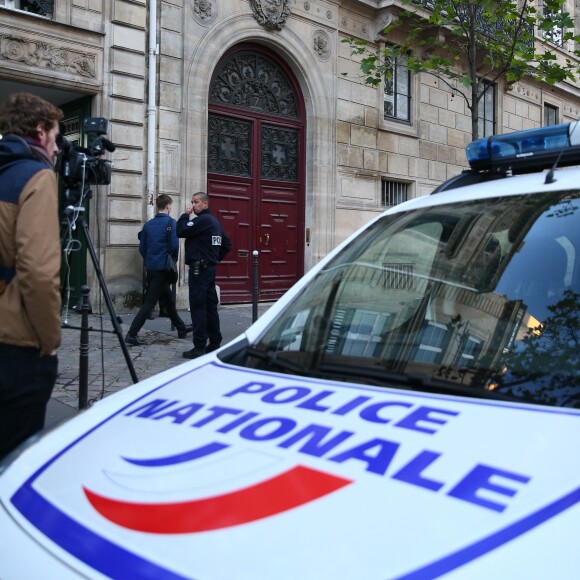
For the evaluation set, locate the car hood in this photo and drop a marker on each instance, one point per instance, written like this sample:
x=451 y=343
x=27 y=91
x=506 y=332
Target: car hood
x=212 y=471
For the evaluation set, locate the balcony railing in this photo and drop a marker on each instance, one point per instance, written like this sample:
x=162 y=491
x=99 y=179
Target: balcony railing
x=483 y=27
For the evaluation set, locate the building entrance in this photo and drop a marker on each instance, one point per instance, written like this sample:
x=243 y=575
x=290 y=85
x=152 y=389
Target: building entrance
x=256 y=166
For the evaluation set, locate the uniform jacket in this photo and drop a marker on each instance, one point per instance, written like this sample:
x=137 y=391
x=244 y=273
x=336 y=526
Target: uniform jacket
x=204 y=238
x=153 y=242
x=29 y=248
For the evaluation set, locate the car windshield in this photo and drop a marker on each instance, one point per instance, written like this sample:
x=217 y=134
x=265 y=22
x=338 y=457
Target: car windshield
x=479 y=296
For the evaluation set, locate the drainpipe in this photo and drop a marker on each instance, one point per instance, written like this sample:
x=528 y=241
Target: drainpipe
x=152 y=109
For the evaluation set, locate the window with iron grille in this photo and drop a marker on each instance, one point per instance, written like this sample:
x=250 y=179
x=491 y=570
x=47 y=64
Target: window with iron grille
x=486 y=112
x=393 y=192
x=398 y=276
x=398 y=91
x=550 y=115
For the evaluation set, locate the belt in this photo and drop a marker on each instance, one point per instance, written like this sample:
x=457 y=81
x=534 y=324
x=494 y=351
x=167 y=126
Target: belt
x=207 y=265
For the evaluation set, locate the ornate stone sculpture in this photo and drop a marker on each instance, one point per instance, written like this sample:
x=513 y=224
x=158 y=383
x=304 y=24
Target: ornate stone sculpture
x=271 y=13
x=202 y=8
x=204 y=11
x=39 y=54
x=383 y=20
x=320 y=44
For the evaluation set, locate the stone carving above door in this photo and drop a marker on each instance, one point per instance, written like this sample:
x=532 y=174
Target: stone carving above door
x=44 y=55
x=271 y=14
x=204 y=11
x=321 y=44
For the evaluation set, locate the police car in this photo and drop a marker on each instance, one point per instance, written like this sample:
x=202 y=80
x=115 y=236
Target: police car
x=410 y=409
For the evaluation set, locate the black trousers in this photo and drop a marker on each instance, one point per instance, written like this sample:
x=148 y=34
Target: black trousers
x=203 y=304
x=157 y=287
x=26 y=382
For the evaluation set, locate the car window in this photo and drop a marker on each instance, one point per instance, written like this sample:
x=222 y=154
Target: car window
x=483 y=295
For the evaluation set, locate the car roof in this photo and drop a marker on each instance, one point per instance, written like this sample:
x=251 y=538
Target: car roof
x=527 y=184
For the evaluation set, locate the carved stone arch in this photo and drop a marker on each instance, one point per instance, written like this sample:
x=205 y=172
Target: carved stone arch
x=318 y=88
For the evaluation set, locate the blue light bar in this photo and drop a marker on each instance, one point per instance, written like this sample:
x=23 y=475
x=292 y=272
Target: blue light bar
x=535 y=148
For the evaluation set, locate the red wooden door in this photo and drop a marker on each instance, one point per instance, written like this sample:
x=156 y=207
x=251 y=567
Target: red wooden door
x=256 y=172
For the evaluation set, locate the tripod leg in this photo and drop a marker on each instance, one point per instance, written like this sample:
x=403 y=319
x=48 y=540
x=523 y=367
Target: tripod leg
x=108 y=301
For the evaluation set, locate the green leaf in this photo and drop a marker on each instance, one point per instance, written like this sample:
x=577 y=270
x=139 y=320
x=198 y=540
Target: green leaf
x=502 y=35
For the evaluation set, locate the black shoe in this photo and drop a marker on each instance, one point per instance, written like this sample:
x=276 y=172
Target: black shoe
x=194 y=353
x=163 y=314
x=186 y=330
x=134 y=340
x=212 y=346
x=151 y=316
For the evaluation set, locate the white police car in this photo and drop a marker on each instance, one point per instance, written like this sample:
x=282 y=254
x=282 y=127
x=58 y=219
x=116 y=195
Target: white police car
x=410 y=409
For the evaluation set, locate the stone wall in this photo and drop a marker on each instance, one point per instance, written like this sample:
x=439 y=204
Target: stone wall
x=124 y=103
x=350 y=147
x=428 y=150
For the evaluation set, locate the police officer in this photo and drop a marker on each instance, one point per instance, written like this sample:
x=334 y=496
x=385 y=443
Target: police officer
x=206 y=244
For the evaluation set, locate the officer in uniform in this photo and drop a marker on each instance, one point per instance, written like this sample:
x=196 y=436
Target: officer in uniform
x=206 y=244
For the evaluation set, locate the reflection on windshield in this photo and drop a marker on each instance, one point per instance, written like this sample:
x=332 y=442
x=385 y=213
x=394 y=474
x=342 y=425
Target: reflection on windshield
x=481 y=294
x=545 y=365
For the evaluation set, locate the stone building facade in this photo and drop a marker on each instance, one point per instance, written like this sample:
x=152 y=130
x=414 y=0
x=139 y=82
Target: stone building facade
x=248 y=100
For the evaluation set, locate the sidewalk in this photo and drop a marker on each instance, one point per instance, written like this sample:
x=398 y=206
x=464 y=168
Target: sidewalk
x=108 y=371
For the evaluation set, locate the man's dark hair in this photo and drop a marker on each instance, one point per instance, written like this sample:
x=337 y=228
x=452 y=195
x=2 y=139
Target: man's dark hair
x=23 y=112
x=163 y=201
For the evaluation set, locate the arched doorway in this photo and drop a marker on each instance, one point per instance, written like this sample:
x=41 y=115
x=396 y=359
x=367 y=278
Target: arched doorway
x=256 y=166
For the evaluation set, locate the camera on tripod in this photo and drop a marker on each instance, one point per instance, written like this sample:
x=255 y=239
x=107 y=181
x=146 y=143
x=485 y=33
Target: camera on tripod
x=80 y=166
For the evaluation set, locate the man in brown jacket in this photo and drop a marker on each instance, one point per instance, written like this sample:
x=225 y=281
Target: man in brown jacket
x=29 y=265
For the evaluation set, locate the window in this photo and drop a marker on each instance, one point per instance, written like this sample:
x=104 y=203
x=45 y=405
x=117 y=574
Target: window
x=471 y=351
x=556 y=34
x=432 y=343
x=486 y=113
x=550 y=115
x=357 y=332
x=393 y=192
x=399 y=276
x=40 y=7
x=398 y=91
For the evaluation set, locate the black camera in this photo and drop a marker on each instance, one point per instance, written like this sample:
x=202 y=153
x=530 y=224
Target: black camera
x=80 y=166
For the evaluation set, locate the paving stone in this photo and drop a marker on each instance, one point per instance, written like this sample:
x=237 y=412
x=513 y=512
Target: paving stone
x=108 y=370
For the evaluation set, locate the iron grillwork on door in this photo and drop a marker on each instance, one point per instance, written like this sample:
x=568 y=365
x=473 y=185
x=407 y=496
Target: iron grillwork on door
x=279 y=153
x=253 y=81
x=229 y=146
